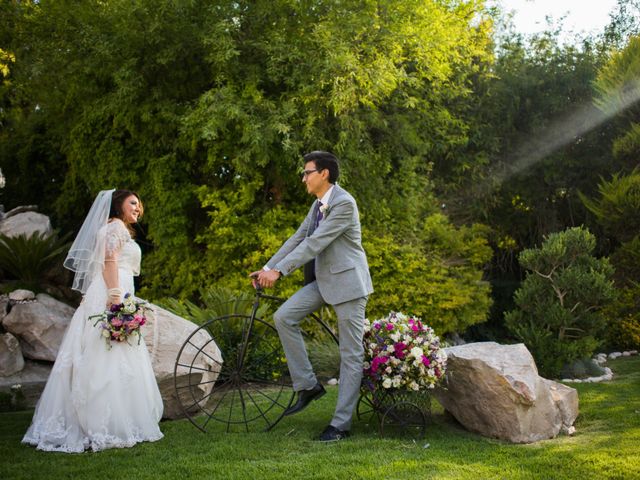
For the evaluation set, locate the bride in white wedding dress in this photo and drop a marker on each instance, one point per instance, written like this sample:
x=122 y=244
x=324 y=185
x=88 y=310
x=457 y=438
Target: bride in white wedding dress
x=98 y=398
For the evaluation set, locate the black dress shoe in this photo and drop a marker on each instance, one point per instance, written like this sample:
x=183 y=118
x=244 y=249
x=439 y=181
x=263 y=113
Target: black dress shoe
x=333 y=434
x=305 y=397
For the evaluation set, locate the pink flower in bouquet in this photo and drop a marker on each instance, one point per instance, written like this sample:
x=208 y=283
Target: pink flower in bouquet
x=376 y=362
x=389 y=326
x=425 y=361
x=399 y=348
x=133 y=324
x=116 y=322
x=121 y=321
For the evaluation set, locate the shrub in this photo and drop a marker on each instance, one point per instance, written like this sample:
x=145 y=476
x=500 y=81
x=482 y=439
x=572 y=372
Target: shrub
x=623 y=316
x=559 y=304
x=618 y=207
x=438 y=278
x=30 y=259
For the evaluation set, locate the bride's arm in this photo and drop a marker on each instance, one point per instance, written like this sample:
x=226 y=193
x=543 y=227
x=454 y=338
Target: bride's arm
x=111 y=280
x=117 y=235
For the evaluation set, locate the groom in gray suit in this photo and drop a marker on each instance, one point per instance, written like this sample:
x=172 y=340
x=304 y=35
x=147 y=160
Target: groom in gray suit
x=328 y=244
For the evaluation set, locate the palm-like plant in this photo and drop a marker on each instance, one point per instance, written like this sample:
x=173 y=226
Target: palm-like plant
x=29 y=258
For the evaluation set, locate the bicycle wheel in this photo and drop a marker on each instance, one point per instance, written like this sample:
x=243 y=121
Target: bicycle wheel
x=242 y=384
x=403 y=419
x=365 y=410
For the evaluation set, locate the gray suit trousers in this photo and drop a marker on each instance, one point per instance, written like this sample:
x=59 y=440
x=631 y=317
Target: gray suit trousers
x=351 y=329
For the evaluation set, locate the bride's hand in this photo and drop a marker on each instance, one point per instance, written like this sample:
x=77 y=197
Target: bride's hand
x=114 y=296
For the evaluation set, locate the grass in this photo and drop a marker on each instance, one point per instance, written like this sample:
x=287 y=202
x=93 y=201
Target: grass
x=606 y=445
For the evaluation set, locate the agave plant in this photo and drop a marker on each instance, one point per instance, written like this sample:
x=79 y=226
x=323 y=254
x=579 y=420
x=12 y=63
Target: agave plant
x=29 y=258
x=216 y=302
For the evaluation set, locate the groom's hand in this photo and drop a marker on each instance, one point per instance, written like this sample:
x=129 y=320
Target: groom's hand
x=267 y=278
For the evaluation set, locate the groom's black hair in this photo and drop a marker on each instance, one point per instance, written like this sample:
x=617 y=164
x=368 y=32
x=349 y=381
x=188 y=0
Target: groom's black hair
x=324 y=161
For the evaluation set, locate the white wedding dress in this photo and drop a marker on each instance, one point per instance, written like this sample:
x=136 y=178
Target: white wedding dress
x=98 y=398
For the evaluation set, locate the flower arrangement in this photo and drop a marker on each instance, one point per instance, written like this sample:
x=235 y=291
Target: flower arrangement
x=401 y=352
x=122 y=320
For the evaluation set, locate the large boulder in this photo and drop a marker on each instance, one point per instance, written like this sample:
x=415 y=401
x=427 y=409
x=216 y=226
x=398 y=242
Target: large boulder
x=26 y=223
x=495 y=390
x=28 y=384
x=4 y=304
x=164 y=334
x=11 y=359
x=40 y=325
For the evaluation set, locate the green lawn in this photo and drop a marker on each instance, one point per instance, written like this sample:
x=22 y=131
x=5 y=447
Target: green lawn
x=606 y=445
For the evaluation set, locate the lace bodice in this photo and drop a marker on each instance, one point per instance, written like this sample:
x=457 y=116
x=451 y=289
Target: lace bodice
x=120 y=245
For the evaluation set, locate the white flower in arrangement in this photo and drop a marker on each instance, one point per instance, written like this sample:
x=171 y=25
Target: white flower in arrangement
x=414 y=386
x=417 y=352
x=395 y=336
x=387 y=383
x=397 y=381
x=388 y=370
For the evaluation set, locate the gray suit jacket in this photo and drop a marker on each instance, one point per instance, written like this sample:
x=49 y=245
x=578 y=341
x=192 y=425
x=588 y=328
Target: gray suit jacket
x=341 y=267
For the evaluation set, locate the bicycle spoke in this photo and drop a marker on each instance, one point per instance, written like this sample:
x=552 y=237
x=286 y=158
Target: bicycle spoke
x=196 y=384
x=192 y=367
x=262 y=414
x=201 y=350
x=274 y=401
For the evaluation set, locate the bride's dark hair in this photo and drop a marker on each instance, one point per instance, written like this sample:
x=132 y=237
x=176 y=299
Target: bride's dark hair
x=117 y=199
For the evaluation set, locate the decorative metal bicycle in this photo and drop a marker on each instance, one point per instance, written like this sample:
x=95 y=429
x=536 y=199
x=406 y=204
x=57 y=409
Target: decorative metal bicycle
x=397 y=412
x=232 y=371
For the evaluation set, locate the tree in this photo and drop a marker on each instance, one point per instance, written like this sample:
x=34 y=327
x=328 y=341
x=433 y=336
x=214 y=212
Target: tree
x=206 y=107
x=560 y=301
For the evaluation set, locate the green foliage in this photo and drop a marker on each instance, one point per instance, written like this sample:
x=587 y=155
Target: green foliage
x=623 y=331
x=438 y=278
x=216 y=302
x=618 y=91
x=617 y=209
x=559 y=314
x=325 y=358
x=30 y=258
x=206 y=107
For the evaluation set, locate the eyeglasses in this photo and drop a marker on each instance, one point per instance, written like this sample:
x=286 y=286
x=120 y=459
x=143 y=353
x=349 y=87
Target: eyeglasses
x=306 y=173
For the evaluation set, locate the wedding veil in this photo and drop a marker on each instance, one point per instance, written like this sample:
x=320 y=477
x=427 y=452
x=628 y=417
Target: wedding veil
x=86 y=255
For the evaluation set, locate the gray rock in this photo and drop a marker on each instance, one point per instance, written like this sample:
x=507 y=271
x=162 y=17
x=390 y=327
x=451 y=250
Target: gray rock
x=21 y=209
x=26 y=223
x=31 y=379
x=495 y=390
x=39 y=326
x=21 y=296
x=164 y=335
x=11 y=359
x=4 y=304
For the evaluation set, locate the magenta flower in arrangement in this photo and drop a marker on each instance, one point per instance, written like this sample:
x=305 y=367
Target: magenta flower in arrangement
x=122 y=320
x=401 y=352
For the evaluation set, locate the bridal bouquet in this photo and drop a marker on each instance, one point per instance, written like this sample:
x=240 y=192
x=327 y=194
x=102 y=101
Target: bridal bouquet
x=122 y=320
x=401 y=352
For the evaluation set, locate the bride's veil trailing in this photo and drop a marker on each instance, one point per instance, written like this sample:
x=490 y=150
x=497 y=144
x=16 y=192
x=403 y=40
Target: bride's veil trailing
x=86 y=255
